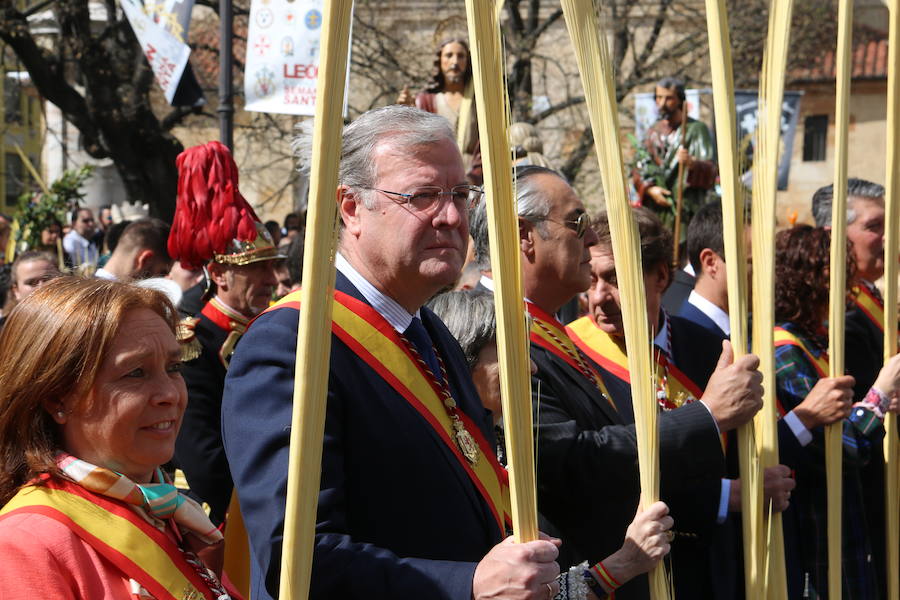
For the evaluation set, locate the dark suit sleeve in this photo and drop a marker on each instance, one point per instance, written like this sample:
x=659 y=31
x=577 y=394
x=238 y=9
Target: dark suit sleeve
x=198 y=449
x=688 y=441
x=256 y=423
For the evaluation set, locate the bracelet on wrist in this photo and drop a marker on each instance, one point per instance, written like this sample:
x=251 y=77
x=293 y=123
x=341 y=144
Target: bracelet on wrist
x=601 y=574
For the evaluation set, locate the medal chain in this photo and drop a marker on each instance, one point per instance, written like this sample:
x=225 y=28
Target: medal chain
x=459 y=428
x=576 y=355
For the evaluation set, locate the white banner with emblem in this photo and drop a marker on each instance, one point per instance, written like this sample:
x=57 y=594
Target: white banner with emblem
x=283 y=46
x=160 y=39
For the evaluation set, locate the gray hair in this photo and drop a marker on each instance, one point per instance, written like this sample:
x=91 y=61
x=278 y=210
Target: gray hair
x=469 y=315
x=531 y=205
x=856 y=188
x=404 y=126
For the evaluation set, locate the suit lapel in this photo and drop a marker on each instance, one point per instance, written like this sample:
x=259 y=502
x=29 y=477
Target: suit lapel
x=343 y=284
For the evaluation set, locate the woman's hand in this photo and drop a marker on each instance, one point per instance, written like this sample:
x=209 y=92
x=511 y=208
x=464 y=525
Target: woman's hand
x=828 y=402
x=888 y=380
x=646 y=543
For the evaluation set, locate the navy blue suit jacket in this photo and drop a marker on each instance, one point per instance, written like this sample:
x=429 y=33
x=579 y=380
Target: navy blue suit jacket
x=695 y=315
x=398 y=517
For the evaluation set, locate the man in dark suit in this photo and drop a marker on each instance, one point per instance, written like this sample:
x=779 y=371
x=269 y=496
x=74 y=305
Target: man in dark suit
x=411 y=503
x=586 y=447
x=707 y=304
x=708 y=565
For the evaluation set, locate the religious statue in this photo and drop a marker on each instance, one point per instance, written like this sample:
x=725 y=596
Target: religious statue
x=674 y=141
x=451 y=94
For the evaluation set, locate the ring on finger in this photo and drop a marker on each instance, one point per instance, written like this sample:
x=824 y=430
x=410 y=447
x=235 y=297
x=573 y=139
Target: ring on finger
x=550 y=593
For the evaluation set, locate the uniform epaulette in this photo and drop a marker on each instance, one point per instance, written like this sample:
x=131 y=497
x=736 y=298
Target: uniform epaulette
x=187 y=337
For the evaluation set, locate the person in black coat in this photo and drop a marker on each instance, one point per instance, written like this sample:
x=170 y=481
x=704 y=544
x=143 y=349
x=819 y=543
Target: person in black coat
x=586 y=447
x=406 y=507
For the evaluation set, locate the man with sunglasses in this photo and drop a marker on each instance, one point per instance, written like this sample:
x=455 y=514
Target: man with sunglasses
x=412 y=502
x=585 y=443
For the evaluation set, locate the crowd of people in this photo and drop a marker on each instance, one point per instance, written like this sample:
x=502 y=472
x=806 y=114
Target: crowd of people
x=145 y=426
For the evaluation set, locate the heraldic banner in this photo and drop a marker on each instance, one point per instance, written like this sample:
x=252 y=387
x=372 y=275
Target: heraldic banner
x=283 y=45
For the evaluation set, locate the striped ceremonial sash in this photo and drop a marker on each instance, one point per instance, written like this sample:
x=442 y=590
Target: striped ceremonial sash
x=871 y=306
x=378 y=344
x=606 y=352
x=141 y=551
x=549 y=334
x=783 y=337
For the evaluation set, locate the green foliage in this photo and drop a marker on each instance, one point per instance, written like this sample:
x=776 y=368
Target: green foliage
x=39 y=211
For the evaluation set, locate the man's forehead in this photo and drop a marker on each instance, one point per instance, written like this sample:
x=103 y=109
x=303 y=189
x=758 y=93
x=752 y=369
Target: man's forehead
x=866 y=203
x=389 y=156
x=601 y=257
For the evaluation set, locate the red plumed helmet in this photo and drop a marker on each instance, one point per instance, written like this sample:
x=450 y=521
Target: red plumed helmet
x=212 y=220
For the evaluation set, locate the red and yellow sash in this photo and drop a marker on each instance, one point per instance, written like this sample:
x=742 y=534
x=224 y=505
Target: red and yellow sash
x=610 y=354
x=869 y=304
x=783 y=337
x=226 y=320
x=379 y=345
x=554 y=338
x=120 y=535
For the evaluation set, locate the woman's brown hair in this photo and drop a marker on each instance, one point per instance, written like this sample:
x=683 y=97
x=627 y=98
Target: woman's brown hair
x=51 y=348
x=802 y=268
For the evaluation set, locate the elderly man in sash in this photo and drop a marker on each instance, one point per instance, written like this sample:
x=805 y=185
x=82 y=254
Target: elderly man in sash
x=413 y=503
x=864 y=334
x=586 y=442
x=685 y=354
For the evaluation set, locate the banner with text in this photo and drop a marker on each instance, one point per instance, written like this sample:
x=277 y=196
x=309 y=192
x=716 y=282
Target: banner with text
x=161 y=39
x=283 y=45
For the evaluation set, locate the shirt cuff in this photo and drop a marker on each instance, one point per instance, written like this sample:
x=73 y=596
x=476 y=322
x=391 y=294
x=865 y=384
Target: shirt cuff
x=718 y=431
x=798 y=429
x=723 y=501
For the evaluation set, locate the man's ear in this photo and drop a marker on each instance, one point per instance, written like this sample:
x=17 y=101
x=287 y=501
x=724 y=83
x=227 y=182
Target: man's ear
x=350 y=206
x=526 y=237
x=661 y=274
x=217 y=275
x=709 y=262
x=143 y=260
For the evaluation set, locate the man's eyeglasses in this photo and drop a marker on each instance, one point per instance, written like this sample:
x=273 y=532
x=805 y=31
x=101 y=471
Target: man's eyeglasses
x=427 y=198
x=579 y=225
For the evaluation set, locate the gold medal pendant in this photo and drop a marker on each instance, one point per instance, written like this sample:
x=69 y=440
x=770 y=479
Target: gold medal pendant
x=466 y=442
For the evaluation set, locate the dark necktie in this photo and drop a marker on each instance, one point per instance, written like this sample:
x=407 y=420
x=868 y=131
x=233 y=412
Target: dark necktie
x=418 y=335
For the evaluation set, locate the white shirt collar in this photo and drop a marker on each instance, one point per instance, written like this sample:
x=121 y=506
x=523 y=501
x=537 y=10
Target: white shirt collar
x=662 y=338
x=387 y=307
x=487 y=282
x=718 y=316
x=102 y=273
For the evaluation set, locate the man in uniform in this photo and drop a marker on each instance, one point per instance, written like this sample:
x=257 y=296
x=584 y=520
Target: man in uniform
x=586 y=447
x=241 y=284
x=450 y=94
x=675 y=139
x=412 y=501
